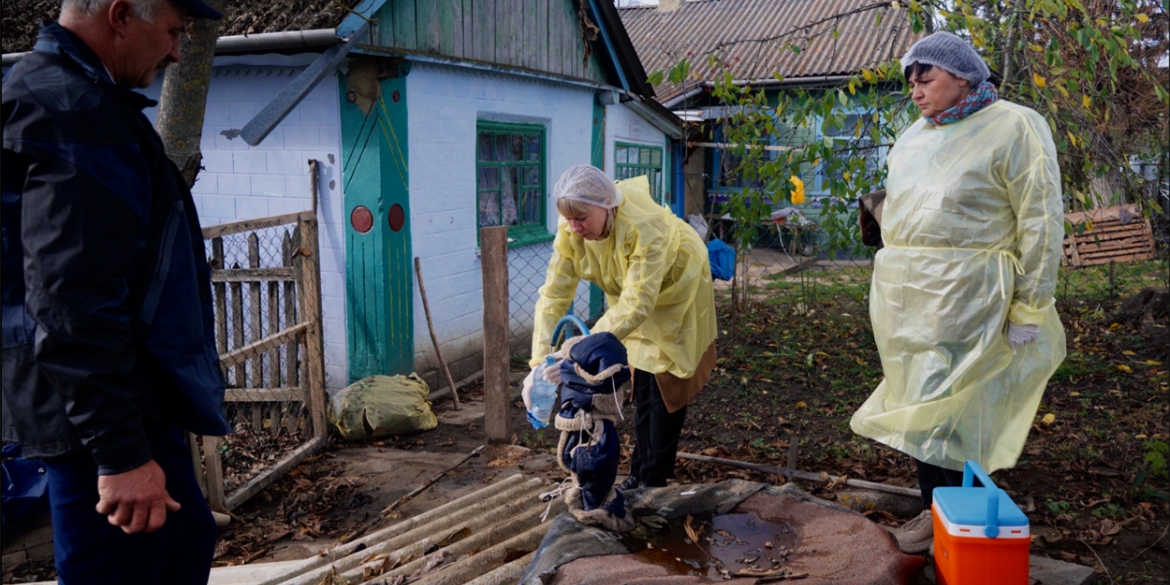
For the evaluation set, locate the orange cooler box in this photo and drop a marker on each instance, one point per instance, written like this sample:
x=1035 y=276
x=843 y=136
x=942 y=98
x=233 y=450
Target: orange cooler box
x=980 y=535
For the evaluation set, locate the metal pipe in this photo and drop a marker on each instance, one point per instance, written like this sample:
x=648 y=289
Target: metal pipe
x=257 y=43
x=527 y=523
x=481 y=562
x=786 y=82
x=678 y=99
x=277 y=41
x=509 y=573
x=508 y=485
x=490 y=511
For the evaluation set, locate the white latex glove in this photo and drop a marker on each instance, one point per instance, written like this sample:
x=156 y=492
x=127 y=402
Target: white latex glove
x=526 y=393
x=1021 y=335
x=552 y=374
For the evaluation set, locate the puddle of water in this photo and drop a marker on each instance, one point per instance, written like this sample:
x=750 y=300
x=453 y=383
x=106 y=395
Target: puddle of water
x=727 y=544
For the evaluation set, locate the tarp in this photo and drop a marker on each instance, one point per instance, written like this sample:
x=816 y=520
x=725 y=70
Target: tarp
x=835 y=544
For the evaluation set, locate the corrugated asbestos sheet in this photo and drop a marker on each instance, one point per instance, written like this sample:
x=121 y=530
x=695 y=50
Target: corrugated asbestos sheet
x=751 y=36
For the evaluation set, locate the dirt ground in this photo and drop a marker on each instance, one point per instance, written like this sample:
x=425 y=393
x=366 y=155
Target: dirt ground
x=1090 y=477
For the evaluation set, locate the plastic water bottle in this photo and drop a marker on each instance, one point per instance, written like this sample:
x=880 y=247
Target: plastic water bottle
x=543 y=396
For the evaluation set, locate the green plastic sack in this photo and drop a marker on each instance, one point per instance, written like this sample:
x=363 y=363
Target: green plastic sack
x=382 y=405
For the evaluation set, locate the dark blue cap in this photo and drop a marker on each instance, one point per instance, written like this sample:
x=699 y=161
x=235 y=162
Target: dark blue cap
x=200 y=9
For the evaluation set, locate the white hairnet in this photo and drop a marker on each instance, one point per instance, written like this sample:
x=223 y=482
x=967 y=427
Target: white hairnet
x=588 y=184
x=951 y=53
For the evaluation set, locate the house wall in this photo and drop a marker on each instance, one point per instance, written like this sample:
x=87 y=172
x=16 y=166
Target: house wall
x=624 y=125
x=444 y=104
x=241 y=182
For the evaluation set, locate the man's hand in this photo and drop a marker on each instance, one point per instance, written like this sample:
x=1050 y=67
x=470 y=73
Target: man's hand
x=136 y=500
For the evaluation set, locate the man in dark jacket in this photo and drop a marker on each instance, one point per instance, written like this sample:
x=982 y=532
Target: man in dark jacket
x=108 y=330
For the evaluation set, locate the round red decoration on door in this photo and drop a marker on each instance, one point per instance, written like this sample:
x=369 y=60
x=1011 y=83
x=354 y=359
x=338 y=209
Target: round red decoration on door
x=395 y=96
x=361 y=219
x=397 y=217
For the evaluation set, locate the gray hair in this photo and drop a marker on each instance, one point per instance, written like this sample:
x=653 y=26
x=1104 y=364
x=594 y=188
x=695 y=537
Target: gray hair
x=144 y=9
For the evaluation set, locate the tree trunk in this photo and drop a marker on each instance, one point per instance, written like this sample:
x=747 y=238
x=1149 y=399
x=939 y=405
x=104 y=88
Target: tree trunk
x=184 y=95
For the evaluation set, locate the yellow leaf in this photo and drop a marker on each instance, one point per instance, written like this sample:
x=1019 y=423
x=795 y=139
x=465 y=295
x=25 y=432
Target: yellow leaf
x=1048 y=419
x=1142 y=17
x=1127 y=352
x=1089 y=228
x=846 y=175
x=868 y=75
x=1040 y=82
x=852 y=89
x=1125 y=368
x=1072 y=138
x=1086 y=101
x=800 y=404
x=1061 y=89
x=1153 y=363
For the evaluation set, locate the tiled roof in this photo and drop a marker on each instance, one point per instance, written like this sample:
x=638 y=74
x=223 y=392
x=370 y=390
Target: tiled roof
x=733 y=29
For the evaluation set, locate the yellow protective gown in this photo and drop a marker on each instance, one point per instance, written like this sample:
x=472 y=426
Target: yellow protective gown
x=973 y=229
x=654 y=271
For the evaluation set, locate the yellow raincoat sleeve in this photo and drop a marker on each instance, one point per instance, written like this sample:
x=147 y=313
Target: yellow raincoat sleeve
x=648 y=263
x=1033 y=184
x=560 y=287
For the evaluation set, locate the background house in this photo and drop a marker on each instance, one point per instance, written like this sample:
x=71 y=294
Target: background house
x=752 y=38
x=445 y=117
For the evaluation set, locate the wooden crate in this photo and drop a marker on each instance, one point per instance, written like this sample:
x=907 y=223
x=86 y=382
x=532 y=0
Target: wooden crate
x=1117 y=234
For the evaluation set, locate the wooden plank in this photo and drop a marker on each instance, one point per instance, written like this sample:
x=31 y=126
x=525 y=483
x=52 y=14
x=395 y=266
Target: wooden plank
x=278 y=274
x=213 y=468
x=467 y=15
x=501 y=39
x=250 y=225
x=386 y=20
x=485 y=42
x=427 y=26
x=494 y=259
x=237 y=329
x=243 y=354
x=540 y=44
x=1103 y=214
x=310 y=298
x=220 y=292
x=264 y=395
x=455 y=48
x=1098 y=234
x=1118 y=259
x=404 y=23
x=1139 y=244
x=255 y=320
x=270 y=475
x=290 y=317
x=274 y=325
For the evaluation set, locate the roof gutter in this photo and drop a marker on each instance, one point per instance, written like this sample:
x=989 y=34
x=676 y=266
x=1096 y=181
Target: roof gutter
x=256 y=43
x=658 y=119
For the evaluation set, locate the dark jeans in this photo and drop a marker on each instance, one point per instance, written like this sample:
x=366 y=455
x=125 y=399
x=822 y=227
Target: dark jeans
x=656 y=433
x=933 y=476
x=90 y=551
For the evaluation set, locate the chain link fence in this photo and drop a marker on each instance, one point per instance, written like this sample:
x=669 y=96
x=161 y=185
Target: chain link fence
x=1111 y=255
x=266 y=298
x=527 y=269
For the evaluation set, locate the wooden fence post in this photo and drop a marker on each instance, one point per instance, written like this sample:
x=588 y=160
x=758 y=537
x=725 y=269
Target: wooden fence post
x=494 y=260
x=310 y=259
x=214 y=467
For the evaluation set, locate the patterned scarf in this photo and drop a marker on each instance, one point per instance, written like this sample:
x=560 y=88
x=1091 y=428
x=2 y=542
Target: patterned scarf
x=982 y=96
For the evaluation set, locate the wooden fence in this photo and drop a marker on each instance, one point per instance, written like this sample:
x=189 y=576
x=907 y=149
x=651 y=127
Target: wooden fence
x=268 y=329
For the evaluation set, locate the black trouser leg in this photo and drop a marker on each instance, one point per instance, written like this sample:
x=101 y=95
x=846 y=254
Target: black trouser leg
x=642 y=408
x=656 y=431
x=933 y=476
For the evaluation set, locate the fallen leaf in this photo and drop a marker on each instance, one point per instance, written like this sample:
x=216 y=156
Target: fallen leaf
x=1048 y=419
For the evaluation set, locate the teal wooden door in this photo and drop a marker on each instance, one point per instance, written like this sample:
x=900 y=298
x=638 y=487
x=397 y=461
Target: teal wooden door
x=597 y=159
x=378 y=254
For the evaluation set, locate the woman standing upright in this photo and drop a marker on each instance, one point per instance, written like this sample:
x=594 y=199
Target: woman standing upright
x=962 y=294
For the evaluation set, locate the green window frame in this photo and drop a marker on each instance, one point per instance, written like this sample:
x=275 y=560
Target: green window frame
x=511 y=177
x=635 y=160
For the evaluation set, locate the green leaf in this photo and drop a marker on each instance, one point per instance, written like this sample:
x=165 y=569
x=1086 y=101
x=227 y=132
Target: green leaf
x=655 y=78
